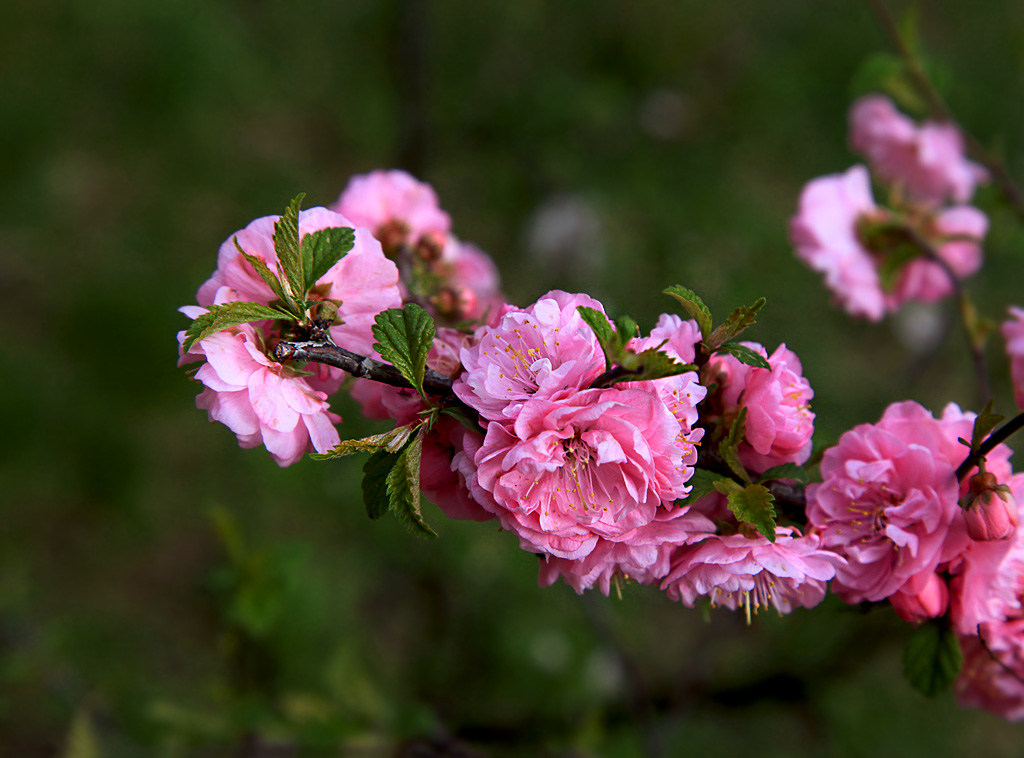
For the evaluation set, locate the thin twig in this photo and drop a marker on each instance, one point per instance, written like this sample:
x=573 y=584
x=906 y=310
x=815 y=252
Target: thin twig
x=1001 y=434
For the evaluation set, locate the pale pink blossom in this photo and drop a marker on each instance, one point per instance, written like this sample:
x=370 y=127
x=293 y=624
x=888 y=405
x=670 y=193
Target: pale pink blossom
x=364 y=281
x=748 y=571
x=260 y=400
x=927 y=161
x=992 y=676
x=393 y=205
x=779 y=422
x=824 y=233
x=955 y=234
x=1013 y=333
x=530 y=353
x=886 y=502
x=580 y=466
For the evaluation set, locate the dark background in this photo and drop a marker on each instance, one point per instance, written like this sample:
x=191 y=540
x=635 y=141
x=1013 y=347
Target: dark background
x=165 y=593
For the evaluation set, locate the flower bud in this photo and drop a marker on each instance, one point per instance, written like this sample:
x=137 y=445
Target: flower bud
x=430 y=246
x=392 y=236
x=990 y=509
x=922 y=598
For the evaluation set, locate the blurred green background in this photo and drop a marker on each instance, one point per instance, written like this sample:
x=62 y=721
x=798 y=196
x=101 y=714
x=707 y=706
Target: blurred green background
x=164 y=593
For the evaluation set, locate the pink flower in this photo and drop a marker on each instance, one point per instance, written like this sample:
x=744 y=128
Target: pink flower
x=1013 y=333
x=581 y=466
x=886 y=502
x=472 y=280
x=925 y=281
x=824 y=232
x=779 y=423
x=393 y=205
x=740 y=571
x=644 y=559
x=537 y=352
x=260 y=400
x=992 y=676
x=927 y=161
x=364 y=280
x=924 y=597
x=991 y=510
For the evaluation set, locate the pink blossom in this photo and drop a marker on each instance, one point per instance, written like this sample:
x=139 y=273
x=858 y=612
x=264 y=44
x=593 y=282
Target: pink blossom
x=927 y=161
x=779 y=423
x=738 y=570
x=395 y=199
x=644 y=559
x=364 y=281
x=925 y=281
x=992 y=676
x=924 y=597
x=1013 y=333
x=260 y=400
x=583 y=465
x=886 y=502
x=473 y=281
x=824 y=232
x=532 y=353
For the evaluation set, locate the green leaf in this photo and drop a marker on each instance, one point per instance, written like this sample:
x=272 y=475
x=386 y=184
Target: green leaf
x=753 y=504
x=626 y=329
x=654 y=364
x=728 y=447
x=286 y=245
x=602 y=328
x=322 y=249
x=894 y=262
x=471 y=423
x=390 y=442
x=744 y=354
x=375 y=483
x=403 y=484
x=404 y=338
x=694 y=306
x=261 y=268
x=933 y=658
x=984 y=423
x=738 y=320
x=702 y=483
x=785 y=471
x=221 y=317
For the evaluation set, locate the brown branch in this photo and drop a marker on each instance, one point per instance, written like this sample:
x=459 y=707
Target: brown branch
x=1001 y=434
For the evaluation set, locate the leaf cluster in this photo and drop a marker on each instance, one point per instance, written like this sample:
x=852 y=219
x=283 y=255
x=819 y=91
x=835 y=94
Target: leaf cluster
x=721 y=338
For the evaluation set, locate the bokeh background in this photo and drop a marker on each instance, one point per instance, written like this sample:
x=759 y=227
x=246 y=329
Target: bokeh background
x=165 y=593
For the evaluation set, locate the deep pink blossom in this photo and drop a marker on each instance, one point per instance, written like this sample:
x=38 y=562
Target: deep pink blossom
x=364 y=281
x=393 y=205
x=741 y=571
x=1013 y=333
x=530 y=353
x=925 y=596
x=824 y=233
x=927 y=161
x=779 y=422
x=888 y=496
x=260 y=400
x=581 y=466
x=992 y=676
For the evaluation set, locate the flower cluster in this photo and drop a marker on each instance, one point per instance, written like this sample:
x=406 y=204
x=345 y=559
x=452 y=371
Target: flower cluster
x=876 y=257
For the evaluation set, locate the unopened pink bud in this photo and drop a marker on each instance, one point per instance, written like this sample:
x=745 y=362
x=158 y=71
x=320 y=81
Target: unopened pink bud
x=992 y=513
x=430 y=246
x=921 y=599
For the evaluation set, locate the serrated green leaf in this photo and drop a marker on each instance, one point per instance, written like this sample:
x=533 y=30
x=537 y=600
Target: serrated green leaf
x=289 y=254
x=744 y=354
x=403 y=484
x=984 y=423
x=603 y=329
x=652 y=364
x=626 y=329
x=261 y=268
x=932 y=659
x=738 y=320
x=728 y=447
x=785 y=471
x=753 y=505
x=404 y=338
x=698 y=311
x=469 y=422
x=389 y=442
x=322 y=249
x=703 y=482
x=375 y=483
x=221 y=317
